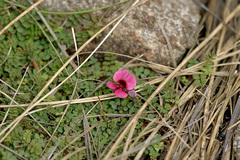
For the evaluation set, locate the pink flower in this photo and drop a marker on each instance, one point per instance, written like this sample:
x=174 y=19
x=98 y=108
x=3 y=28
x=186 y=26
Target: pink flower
x=126 y=82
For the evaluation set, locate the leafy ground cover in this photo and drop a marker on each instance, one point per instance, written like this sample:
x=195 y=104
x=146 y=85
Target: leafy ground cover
x=76 y=115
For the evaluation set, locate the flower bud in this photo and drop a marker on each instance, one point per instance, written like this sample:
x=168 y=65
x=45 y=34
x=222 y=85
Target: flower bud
x=132 y=93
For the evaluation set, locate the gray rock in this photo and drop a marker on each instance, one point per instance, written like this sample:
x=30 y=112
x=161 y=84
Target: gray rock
x=236 y=143
x=161 y=30
x=158 y=29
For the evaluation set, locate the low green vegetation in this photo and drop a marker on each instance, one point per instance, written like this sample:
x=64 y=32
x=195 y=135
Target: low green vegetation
x=205 y=69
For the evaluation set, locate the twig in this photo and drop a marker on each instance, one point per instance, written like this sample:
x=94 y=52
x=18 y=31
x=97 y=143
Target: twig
x=38 y=130
x=228 y=136
x=9 y=149
x=33 y=60
x=9 y=51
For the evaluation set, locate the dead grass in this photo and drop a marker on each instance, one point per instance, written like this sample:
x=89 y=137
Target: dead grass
x=194 y=125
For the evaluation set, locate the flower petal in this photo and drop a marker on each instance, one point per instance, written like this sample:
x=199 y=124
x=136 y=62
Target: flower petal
x=130 y=82
x=119 y=92
x=112 y=85
x=120 y=75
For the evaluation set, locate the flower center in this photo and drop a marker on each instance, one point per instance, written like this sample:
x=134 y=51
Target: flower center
x=122 y=84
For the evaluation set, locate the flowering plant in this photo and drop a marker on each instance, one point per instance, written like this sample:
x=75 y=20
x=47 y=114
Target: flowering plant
x=126 y=83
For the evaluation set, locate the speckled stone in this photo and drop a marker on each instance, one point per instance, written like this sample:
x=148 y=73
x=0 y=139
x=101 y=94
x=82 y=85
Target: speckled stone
x=236 y=143
x=159 y=29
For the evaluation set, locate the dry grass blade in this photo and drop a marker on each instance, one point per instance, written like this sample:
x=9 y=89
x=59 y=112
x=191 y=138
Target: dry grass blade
x=188 y=94
x=234 y=125
x=75 y=44
x=6 y=95
x=232 y=85
x=198 y=106
x=69 y=155
x=162 y=68
x=213 y=5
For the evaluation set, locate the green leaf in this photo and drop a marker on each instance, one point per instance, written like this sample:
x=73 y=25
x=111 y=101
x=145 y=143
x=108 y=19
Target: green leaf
x=2 y=37
x=150 y=116
x=167 y=106
x=146 y=72
x=158 y=146
x=20 y=29
x=27 y=136
x=196 y=76
x=71 y=17
x=86 y=16
x=198 y=83
x=26 y=25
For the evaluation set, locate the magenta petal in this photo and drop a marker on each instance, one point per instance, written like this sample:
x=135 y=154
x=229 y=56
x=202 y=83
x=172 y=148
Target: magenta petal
x=120 y=75
x=130 y=82
x=119 y=92
x=112 y=85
